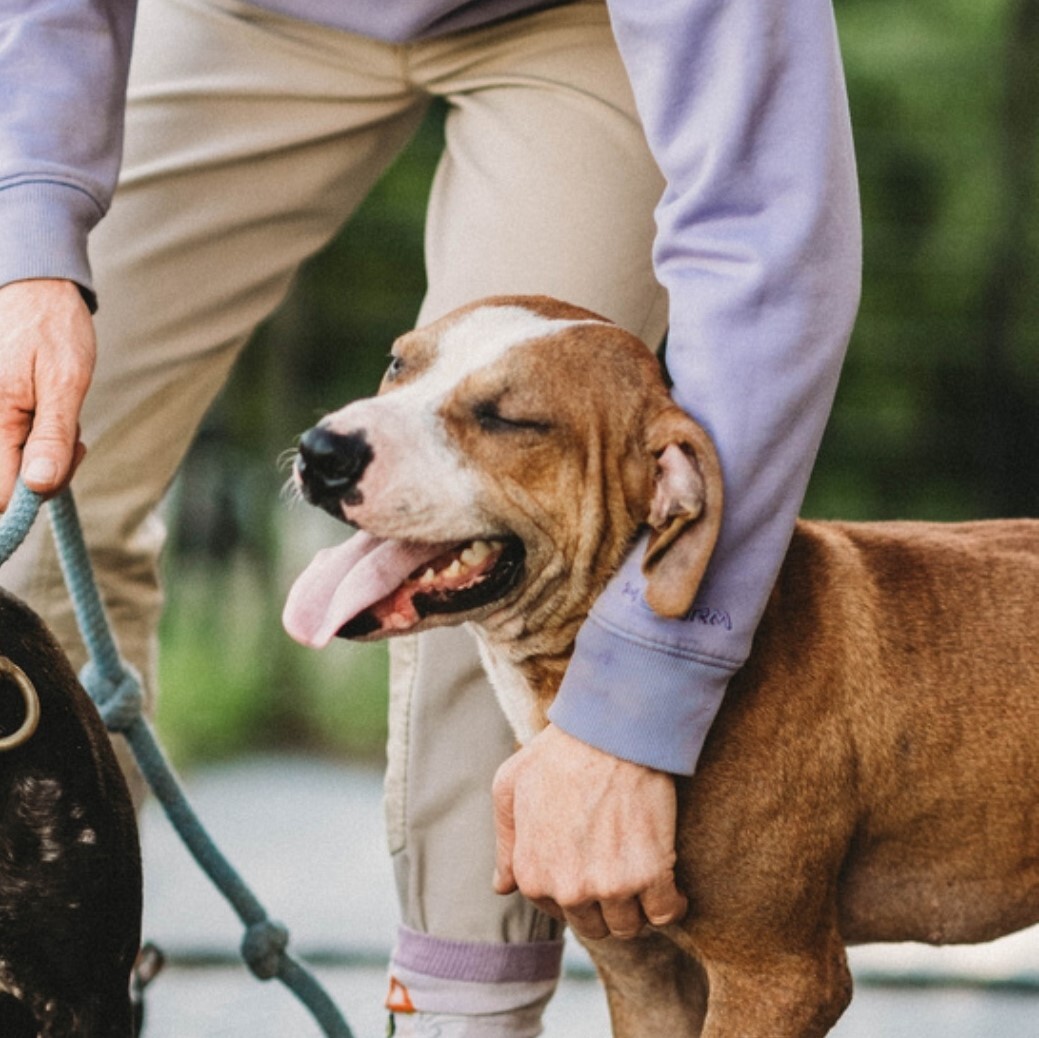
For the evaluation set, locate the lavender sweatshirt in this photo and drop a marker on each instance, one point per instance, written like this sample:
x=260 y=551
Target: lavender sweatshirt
x=758 y=245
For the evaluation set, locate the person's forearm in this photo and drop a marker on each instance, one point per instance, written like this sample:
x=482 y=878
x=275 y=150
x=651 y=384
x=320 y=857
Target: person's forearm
x=63 y=68
x=759 y=248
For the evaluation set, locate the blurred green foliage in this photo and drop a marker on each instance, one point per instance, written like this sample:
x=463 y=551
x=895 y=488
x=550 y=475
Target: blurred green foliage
x=936 y=416
x=937 y=412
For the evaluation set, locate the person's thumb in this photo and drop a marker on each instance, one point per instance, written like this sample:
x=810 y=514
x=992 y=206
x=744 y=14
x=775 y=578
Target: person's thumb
x=51 y=454
x=504 y=828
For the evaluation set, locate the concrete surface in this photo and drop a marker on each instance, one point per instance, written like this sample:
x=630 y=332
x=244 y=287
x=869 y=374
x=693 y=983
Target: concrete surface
x=306 y=834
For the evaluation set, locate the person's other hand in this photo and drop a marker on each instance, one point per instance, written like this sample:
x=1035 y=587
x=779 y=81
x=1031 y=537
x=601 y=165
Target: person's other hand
x=587 y=837
x=47 y=353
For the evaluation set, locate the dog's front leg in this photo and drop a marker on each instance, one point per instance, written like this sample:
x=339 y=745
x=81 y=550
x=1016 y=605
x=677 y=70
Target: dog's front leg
x=652 y=987
x=792 y=994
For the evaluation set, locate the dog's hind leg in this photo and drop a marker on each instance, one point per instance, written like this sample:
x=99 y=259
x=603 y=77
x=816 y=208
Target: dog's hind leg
x=652 y=987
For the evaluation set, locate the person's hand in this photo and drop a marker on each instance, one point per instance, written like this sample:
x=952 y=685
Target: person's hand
x=47 y=352
x=587 y=837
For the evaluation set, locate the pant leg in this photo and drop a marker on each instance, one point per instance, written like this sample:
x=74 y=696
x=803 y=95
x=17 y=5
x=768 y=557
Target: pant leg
x=250 y=138
x=546 y=186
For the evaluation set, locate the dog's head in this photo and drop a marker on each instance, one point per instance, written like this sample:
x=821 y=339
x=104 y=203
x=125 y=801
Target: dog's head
x=513 y=450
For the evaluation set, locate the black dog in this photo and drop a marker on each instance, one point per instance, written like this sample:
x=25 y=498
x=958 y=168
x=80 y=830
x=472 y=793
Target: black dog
x=70 y=867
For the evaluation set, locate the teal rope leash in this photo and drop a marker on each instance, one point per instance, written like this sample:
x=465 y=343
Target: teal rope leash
x=116 y=690
x=15 y=522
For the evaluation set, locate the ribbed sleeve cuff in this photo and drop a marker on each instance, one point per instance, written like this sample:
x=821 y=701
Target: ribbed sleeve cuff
x=637 y=700
x=44 y=226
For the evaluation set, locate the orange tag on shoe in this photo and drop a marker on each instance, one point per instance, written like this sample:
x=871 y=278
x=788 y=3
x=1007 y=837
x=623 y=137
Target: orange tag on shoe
x=397 y=998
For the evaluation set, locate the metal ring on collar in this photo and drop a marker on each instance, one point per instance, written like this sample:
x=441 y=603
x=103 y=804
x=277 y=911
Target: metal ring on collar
x=29 y=698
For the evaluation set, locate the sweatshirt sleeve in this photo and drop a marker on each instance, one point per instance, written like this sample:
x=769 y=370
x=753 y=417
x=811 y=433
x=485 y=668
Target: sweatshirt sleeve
x=63 y=69
x=759 y=247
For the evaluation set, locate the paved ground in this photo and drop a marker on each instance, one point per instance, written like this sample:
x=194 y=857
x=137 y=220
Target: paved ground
x=307 y=836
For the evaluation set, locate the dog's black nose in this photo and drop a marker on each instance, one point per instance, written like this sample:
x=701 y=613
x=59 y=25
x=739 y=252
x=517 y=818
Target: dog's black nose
x=330 y=465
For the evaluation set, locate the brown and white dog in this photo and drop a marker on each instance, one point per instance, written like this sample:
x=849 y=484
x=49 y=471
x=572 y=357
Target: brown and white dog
x=871 y=775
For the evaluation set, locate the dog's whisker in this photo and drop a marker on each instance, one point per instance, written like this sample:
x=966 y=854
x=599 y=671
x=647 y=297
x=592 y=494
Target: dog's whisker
x=290 y=492
x=286 y=458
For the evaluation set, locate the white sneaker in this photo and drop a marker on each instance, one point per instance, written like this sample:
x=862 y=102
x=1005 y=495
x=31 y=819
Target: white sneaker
x=520 y=1024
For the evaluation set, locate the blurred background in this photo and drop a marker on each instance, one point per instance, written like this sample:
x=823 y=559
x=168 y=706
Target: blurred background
x=937 y=416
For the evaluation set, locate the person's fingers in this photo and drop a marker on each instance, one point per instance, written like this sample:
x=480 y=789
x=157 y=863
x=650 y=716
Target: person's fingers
x=587 y=921
x=47 y=352
x=663 y=902
x=11 y=462
x=624 y=918
x=549 y=907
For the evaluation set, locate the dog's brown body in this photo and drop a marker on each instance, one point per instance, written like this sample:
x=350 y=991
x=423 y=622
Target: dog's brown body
x=870 y=776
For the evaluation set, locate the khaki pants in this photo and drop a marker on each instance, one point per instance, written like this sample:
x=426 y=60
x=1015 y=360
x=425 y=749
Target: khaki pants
x=251 y=138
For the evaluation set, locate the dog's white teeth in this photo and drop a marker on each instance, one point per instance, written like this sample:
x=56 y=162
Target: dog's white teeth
x=476 y=553
x=470 y=558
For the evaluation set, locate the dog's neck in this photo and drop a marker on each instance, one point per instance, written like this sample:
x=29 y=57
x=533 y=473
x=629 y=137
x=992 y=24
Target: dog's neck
x=524 y=684
x=525 y=649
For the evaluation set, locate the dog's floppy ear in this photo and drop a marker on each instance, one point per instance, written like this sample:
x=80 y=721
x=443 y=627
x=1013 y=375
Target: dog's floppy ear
x=685 y=513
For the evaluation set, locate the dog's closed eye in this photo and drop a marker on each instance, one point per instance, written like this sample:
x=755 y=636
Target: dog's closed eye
x=490 y=418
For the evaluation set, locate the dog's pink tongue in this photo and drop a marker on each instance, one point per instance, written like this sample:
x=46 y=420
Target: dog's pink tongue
x=345 y=580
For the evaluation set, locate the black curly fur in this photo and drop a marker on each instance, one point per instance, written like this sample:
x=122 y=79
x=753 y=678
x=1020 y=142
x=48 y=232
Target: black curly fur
x=70 y=873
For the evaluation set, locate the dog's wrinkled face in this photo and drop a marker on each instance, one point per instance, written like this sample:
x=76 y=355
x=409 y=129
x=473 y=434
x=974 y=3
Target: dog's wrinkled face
x=500 y=472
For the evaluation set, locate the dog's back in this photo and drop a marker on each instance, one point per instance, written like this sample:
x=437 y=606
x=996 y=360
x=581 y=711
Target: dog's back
x=884 y=734
x=70 y=876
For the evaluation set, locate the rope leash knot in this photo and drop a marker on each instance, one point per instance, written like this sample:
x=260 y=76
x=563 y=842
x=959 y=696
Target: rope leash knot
x=116 y=689
x=119 y=702
x=262 y=948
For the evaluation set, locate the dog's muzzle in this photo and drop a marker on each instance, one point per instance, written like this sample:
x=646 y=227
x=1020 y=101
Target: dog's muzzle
x=330 y=465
